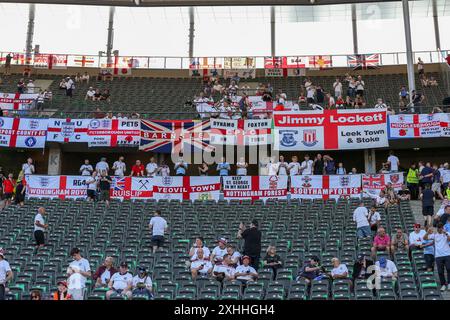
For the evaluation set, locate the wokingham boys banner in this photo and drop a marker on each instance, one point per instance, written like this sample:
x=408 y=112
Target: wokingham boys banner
x=373 y=183
x=416 y=125
x=17 y=101
x=240 y=132
x=330 y=129
x=326 y=187
x=113 y=133
x=62 y=187
x=23 y=132
x=255 y=187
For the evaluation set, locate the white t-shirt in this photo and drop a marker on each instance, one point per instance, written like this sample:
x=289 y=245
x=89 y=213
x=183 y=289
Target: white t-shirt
x=75 y=281
x=360 y=85
x=241 y=171
x=337 y=87
x=206 y=253
x=245 y=269
x=375 y=217
x=307 y=167
x=86 y=170
x=159 y=225
x=272 y=168
x=121 y=281
x=442 y=249
x=207 y=265
x=39 y=218
x=84 y=266
x=236 y=256
x=106 y=275
x=282 y=171
x=229 y=271
x=380 y=200
x=394 y=162
x=93 y=184
x=445 y=174
x=4 y=268
x=388 y=271
x=120 y=168
x=416 y=238
x=294 y=168
x=151 y=169
x=147 y=280
x=164 y=171
x=360 y=216
x=340 y=270
x=219 y=253
x=90 y=93
x=28 y=168
x=102 y=166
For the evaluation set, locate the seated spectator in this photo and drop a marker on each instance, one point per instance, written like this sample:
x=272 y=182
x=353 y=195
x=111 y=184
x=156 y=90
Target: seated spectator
x=200 y=266
x=138 y=170
x=272 y=260
x=399 y=242
x=142 y=283
x=62 y=293
x=380 y=104
x=224 y=271
x=181 y=167
x=311 y=270
x=245 y=272
x=198 y=244
x=416 y=238
x=381 y=200
x=339 y=270
x=219 y=251
x=105 y=96
x=104 y=273
x=120 y=283
x=391 y=196
x=359 y=102
x=340 y=103
x=235 y=256
x=360 y=267
x=223 y=167
x=385 y=269
x=404 y=193
x=374 y=219
x=97 y=95
x=381 y=242
x=301 y=98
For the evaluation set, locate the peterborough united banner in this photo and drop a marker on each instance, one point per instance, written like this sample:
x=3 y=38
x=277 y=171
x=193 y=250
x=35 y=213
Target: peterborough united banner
x=240 y=132
x=330 y=129
x=113 y=133
x=255 y=187
x=373 y=183
x=23 y=132
x=326 y=187
x=68 y=130
x=62 y=187
x=415 y=125
x=17 y=101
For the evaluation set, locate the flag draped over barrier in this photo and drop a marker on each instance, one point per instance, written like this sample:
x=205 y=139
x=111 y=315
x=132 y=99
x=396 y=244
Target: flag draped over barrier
x=325 y=187
x=419 y=125
x=23 y=132
x=17 y=101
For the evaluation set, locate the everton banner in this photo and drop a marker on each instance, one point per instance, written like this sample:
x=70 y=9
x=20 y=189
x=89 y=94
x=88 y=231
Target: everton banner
x=17 y=101
x=325 y=187
x=68 y=130
x=415 y=126
x=23 y=132
x=255 y=187
x=373 y=184
x=330 y=129
x=113 y=133
x=240 y=132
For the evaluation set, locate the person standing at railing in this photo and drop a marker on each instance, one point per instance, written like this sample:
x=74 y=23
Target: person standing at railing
x=420 y=67
x=8 y=59
x=70 y=86
x=337 y=85
x=20 y=86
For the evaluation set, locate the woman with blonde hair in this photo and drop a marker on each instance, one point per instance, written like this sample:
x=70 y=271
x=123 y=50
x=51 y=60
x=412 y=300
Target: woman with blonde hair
x=272 y=260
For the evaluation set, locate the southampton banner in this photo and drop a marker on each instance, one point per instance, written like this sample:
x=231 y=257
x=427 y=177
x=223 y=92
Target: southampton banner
x=325 y=187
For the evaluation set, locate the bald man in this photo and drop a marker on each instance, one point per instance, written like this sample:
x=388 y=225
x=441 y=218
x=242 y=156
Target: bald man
x=39 y=227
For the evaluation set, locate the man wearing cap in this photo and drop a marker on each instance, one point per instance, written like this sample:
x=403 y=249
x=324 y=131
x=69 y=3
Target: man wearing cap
x=252 y=242
x=102 y=166
x=381 y=242
x=385 y=268
x=142 y=283
x=361 y=217
x=62 y=293
x=360 y=267
x=201 y=265
x=219 y=251
x=442 y=254
x=245 y=272
x=6 y=274
x=79 y=266
x=39 y=227
x=158 y=226
x=121 y=282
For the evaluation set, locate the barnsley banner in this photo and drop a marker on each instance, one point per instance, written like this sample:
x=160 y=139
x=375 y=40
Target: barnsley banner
x=241 y=132
x=326 y=187
x=113 y=133
x=330 y=129
x=62 y=187
x=23 y=132
x=255 y=187
x=373 y=183
x=415 y=126
x=50 y=61
x=193 y=188
x=17 y=101
x=67 y=130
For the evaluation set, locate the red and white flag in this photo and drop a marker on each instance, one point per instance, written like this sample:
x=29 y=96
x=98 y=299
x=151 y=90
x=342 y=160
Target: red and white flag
x=193 y=188
x=320 y=62
x=84 y=61
x=241 y=132
x=255 y=187
x=326 y=187
x=415 y=126
x=445 y=124
x=68 y=130
x=372 y=184
x=50 y=61
x=131 y=188
x=330 y=129
x=17 y=101
x=113 y=133
x=23 y=132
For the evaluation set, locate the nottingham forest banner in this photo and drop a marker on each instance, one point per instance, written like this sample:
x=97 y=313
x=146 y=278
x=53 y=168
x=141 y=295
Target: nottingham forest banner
x=255 y=187
x=330 y=129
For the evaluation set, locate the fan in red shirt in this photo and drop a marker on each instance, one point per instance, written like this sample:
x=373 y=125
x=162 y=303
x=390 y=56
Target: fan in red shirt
x=8 y=189
x=138 y=169
x=448 y=59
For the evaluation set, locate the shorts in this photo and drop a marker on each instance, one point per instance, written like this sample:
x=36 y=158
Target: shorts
x=436 y=187
x=429 y=261
x=77 y=294
x=91 y=194
x=363 y=232
x=40 y=106
x=7 y=196
x=105 y=195
x=158 y=241
x=39 y=237
x=428 y=211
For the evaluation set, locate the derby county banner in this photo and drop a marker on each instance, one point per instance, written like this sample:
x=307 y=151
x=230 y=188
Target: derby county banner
x=240 y=132
x=193 y=188
x=114 y=133
x=373 y=184
x=23 y=132
x=415 y=126
x=255 y=187
x=68 y=130
x=330 y=129
x=326 y=187
x=62 y=187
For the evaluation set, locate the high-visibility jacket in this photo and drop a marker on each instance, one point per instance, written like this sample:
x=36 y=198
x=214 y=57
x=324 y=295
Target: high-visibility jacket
x=412 y=176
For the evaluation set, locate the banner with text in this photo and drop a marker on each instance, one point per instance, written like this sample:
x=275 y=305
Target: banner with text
x=62 y=187
x=17 y=101
x=68 y=130
x=114 y=133
x=415 y=125
x=325 y=187
x=193 y=188
x=241 y=132
x=23 y=132
x=255 y=187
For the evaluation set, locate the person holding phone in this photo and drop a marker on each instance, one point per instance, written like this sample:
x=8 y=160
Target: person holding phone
x=200 y=266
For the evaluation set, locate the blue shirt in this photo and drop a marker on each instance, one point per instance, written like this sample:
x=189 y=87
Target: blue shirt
x=181 y=170
x=430 y=249
x=425 y=171
x=447 y=228
x=436 y=176
x=223 y=168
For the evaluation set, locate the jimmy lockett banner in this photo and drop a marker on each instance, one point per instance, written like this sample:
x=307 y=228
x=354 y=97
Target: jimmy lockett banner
x=330 y=130
x=255 y=187
x=325 y=187
x=373 y=183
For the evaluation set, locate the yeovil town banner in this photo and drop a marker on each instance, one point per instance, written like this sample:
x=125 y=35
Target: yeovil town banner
x=255 y=187
x=418 y=125
x=330 y=129
x=23 y=132
x=325 y=187
x=17 y=101
x=373 y=183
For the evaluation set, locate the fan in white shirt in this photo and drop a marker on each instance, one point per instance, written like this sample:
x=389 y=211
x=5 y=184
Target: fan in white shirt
x=235 y=256
x=219 y=251
x=86 y=169
x=416 y=237
x=340 y=270
x=102 y=166
x=119 y=167
x=241 y=167
x=200 y=265
x=393 y=161
x=385 y=268
x=307 y=166
x=282 y=167
x=294 y=166
x=197 y=245
x=272 y=167
x=121 y=282
x=245 y=272
x=28 y=167
x=152 y=168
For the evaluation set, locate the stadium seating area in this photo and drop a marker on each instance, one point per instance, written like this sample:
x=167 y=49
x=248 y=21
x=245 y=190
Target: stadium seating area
x=298 y=229
x=164 y=98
